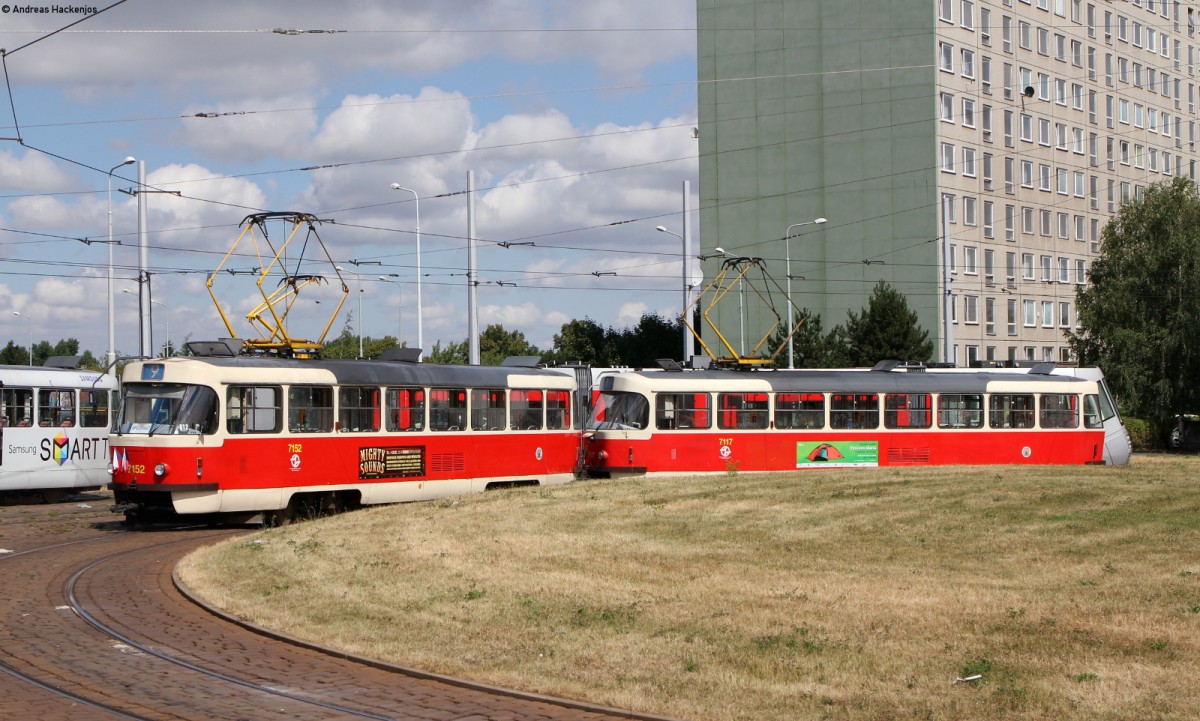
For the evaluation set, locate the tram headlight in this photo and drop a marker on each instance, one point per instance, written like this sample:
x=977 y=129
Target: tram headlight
x=161 y=470
x=602 y=455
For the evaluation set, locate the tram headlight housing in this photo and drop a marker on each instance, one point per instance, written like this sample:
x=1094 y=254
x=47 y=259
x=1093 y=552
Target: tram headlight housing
x=161 y=470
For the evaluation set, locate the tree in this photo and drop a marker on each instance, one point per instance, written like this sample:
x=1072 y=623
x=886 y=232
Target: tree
x=652 y=338
x=811 y=347
x=1142 y=303
x=452 y=354
x=886 y=329
x=584 y=341
x=496 y=344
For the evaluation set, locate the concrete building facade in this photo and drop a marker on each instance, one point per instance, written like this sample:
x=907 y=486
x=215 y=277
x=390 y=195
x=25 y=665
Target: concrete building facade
x=968 y=153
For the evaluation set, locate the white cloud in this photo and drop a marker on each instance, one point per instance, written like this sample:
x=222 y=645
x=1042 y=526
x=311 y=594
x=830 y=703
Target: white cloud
x=278 y=126
x=630 y=313
x=31 y=172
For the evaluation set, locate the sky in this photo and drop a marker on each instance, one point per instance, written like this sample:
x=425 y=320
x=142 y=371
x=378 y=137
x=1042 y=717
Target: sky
x=575 y=120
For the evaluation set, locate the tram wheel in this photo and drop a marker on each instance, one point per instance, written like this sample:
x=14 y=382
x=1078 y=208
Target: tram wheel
x=283 y=517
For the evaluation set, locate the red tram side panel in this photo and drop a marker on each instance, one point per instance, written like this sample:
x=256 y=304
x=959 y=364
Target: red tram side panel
x=250 y=435
x=715 y=421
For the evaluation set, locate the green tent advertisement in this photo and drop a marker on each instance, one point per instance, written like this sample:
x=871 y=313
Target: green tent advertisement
x=837 y=454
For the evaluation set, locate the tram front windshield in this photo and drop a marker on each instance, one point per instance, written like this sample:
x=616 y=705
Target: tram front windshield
x=614 y=410
x=167 y=408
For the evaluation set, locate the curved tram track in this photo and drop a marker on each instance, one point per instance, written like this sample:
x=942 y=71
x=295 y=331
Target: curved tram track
x=92 y=627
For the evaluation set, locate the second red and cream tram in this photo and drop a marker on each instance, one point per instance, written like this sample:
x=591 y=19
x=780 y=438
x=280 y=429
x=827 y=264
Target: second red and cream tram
x=670 y=422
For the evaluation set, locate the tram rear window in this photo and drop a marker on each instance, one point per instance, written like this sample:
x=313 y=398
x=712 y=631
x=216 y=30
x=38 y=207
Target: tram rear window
x=358 y=409
x=960 y=410
x=907 y=410
x=1091 y=412
x=167 y=408
x=558 y=410
x=93 y=408
x=743 y=410
x=854 y=410
x=799 y=410
x=405 y=409
x=682 y=410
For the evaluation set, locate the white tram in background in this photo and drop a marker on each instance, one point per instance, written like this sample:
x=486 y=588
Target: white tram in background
x=53 y=431
x=710 y=421
x=242 y=435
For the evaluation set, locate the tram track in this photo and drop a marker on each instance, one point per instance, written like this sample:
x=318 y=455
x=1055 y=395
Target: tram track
x=93 y=627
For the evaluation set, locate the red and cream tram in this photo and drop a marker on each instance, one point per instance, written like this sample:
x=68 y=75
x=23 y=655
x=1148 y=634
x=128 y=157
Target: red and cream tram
x=670 y=422
x=243 y=435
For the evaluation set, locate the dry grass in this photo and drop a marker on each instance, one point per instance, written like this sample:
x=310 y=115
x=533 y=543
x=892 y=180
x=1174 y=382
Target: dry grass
x=1074 y=592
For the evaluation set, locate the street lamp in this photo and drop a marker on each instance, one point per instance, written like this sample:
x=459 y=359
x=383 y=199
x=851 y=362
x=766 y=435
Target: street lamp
x=787 y=239
x=112 y=322
x=28 y=318
x=420 y=320
x=358 y=279
x=400 y=311
x=686 y=288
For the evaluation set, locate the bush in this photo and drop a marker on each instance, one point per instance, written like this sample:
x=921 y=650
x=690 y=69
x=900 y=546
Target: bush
x=1141 y=435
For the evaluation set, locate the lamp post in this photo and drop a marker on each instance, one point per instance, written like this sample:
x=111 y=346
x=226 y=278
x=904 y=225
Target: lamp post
x=417 y=233
x=112 y=322
x=686 y=288
x=30 y=319
x=400 y=309
x=358 y=279
x=787 y=239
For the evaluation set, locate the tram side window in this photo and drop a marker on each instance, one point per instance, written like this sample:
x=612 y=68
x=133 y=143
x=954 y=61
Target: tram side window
x=854 y=410
x=487 y=409
x=525 y=410
x=1059 y=410
x=253 y=409
x=405 y=409
x=907 y=410
x=957 y=410
x=17 y=406
x=93 y=408
x=448 y=409
x=1091 y=412
x=310 y=409
x=1011 y=410
x=56 y=408
x=682 y=411
x=799 y=410
x=743 y=410
x=358 y=409
x=558 y=410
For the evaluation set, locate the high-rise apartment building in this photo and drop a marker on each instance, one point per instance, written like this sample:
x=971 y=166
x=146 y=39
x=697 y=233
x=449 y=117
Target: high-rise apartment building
x=967 y=152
